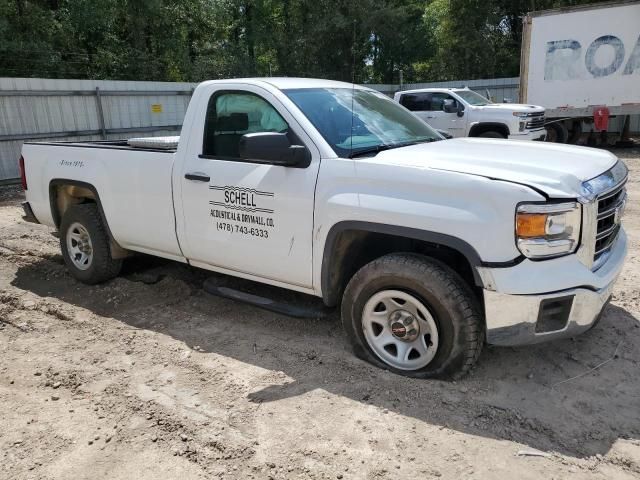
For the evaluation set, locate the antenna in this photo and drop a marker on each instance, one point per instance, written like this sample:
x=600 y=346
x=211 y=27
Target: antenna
x=353 y=83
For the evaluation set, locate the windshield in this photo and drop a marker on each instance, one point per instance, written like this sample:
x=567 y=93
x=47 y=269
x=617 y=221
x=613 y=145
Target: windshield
x=473 y=98
x=378 y=122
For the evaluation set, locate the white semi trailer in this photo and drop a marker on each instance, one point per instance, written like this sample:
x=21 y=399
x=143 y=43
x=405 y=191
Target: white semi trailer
x=583 y=65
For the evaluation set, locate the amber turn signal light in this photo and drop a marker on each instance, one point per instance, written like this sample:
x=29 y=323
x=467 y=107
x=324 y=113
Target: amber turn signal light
x=530 y=225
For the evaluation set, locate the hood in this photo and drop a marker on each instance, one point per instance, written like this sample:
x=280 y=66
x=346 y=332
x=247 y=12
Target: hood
x=557 y=170
x=514 y=107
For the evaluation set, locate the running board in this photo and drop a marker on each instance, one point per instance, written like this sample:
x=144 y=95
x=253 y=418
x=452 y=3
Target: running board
x=289 y=309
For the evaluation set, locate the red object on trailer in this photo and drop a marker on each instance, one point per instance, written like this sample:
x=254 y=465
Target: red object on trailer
x=601 y=118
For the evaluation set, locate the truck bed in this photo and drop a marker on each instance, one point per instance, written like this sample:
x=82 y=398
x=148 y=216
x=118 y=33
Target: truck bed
x=133 y=186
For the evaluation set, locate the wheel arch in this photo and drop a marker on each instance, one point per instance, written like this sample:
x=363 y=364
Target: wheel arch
x=351 y=244
x=482 y=127
x=64 y=192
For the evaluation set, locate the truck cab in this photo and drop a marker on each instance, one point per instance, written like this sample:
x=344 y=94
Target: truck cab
x=462 y=112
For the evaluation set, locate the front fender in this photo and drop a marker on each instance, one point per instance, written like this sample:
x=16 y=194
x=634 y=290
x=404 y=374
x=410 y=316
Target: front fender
x=471 y=214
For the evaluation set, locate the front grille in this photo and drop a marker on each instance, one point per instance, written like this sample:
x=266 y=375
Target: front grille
x=535 y=121
x=610 y=205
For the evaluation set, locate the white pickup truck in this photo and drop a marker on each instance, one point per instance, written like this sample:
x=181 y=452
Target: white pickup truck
x=334 y=190
x=464 y=113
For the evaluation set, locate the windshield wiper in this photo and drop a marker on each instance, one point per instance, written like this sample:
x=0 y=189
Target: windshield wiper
x=368 y=151
x=388 y=146
x=416 y=142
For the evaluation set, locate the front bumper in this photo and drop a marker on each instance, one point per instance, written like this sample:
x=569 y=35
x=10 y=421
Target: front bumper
x=540 y=135
x=524 y=318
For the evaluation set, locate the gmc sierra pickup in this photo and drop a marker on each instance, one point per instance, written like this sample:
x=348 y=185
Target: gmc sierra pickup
x=429 y=247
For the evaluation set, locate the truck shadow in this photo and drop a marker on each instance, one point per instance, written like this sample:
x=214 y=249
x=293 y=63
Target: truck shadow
x=527 y=395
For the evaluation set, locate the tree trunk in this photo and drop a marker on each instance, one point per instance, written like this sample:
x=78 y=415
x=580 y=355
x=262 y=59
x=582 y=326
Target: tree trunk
x=251 y=42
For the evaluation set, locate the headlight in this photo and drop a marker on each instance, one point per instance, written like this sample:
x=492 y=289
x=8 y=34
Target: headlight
x=591 y=188
x=548 y=230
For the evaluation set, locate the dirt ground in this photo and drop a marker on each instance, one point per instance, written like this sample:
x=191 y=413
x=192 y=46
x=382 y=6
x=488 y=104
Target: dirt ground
x=149 y=377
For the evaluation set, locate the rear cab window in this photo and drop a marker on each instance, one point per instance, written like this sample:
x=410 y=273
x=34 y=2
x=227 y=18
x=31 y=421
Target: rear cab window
x=416 y=102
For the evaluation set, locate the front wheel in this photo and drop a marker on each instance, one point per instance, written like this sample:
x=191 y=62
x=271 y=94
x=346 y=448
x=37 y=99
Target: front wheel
x=413 y=315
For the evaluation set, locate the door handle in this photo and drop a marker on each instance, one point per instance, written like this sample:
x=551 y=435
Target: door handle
x=197 y=176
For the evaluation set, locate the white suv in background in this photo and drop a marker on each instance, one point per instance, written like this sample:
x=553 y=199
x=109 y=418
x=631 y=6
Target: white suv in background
x=462 y=112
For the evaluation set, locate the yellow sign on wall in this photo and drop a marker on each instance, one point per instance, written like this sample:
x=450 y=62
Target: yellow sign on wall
x=156 y=108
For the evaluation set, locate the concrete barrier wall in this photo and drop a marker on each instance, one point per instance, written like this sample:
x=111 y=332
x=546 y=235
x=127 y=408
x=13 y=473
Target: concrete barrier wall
x=77 y=110
x=498 y=88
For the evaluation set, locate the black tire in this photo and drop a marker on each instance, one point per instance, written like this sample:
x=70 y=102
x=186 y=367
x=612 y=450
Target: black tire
x=447 y=297
x=102 y=266
x=575 y=133
x=556 y=132
x=491 y=134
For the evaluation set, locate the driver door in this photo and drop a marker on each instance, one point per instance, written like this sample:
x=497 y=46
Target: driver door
x=252 y=218
x=449 y=122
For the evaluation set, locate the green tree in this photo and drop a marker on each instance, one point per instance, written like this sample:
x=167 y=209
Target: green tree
x=192 y=40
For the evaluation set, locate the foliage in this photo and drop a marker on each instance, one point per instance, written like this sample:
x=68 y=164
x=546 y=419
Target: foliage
x=193 y=40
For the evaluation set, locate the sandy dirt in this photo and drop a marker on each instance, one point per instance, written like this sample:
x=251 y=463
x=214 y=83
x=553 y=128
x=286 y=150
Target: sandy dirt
x=149 y=377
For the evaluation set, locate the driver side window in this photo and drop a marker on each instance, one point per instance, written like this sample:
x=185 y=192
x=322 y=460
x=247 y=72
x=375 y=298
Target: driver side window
x=437 y=101
x=230 y=115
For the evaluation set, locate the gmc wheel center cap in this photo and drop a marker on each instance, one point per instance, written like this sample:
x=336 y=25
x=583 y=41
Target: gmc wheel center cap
x=404 y=326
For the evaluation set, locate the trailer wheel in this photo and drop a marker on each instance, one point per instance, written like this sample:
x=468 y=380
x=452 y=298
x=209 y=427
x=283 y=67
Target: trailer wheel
x=556 y=132
x=576 y=132
x=414 y=316
x=85 y=245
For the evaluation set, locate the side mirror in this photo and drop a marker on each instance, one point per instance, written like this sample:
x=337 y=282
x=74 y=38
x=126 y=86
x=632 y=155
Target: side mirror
x=460 y=110
x=449 y=106
x=273 y=147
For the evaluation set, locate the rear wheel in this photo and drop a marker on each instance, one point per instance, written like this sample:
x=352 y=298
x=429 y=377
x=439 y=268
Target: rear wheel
x=491 y=134
x=413 y=315
x=85 y=245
